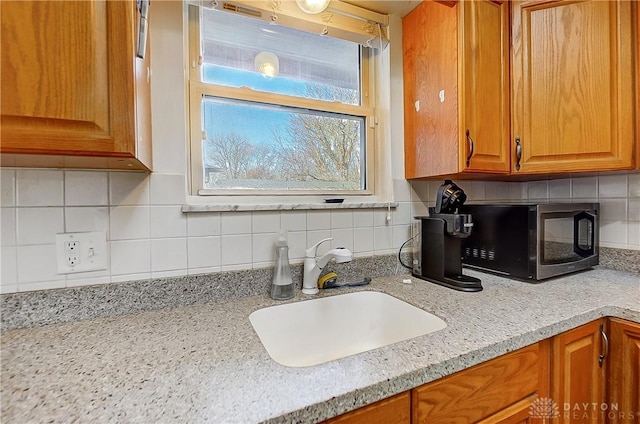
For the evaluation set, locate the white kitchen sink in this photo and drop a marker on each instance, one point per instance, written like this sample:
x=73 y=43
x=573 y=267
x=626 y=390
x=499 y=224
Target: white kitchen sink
x=315 y=331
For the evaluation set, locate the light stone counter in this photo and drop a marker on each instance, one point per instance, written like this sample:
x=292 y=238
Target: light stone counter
x=204 y=363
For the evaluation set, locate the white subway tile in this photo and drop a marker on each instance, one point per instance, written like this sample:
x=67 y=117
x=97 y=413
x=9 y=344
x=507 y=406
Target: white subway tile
x=538 y=190
x=363 y=218
x=518 y=191
x=634 y=209
x=380 y=217
x=297 y=245
x=7 y=187
x=419 y=209
x=90 y=278
x=475 y=190
x=342 y=237
x=130 y=257
x=128 y=188
x=363 y=240
x=129 y=222
x=264 y=247
x=169 y=274
x=39 y=225
x=584 y=188
x=401 y=233
x=341 y=219
x=613 y=233
x=169 y=255
x=633 y=240
x=167 y=189
x=293 y=220
x=8 y=226
x=314 y=237
x=86 y=188
x=42 y=285
x=612 y=186
x=434 y=187
x=236 y=250
x=419 y=191
x=130 y=277
x=37 y=263
x=318 y=220
x=167 y=221
x=200 y=271
x=382 y=238
x=203 y=224
x=560 y=189
x=203 y=252
x=634 y=185
x=86 y=218
x=9 y=271
x=402 y=214
x=613 y=209
x=401 y=191
x=493 y=190
x=265 y=222
x=39 y=188
x=235 y=223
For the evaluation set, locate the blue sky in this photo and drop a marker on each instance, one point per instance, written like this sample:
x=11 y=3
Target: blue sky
x=250 y=122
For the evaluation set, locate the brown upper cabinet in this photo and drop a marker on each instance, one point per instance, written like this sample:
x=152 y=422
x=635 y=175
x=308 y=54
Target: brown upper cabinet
x=456 y=88
x=572 y=76
x=74 y=94
x=565 y=102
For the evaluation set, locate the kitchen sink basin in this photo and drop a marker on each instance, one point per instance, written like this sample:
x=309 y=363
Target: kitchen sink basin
x=315 y=331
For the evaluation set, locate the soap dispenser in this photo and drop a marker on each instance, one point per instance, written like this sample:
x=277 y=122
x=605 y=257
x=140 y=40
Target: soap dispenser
x=282 y=286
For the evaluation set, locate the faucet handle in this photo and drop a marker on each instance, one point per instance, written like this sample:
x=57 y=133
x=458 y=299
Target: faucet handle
x=312 y=252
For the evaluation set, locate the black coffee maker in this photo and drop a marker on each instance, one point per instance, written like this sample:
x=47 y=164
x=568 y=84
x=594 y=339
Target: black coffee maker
x=437 y=241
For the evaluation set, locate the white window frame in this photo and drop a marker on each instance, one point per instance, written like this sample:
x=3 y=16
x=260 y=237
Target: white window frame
x=197 y=89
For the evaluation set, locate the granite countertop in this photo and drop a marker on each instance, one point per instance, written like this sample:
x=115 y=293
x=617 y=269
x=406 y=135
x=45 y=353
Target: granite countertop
x=205 y=362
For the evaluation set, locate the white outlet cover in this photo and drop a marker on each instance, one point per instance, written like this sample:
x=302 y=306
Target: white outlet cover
x=91 y=254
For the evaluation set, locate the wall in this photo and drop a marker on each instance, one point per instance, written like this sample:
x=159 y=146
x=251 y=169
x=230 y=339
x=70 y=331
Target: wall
x=149 y=236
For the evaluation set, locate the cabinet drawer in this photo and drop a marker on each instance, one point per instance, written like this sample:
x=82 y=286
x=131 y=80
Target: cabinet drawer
x=393 y=410
x=478 y=392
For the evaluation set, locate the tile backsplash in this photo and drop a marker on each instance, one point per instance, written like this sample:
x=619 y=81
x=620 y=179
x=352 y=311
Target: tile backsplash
x=149 y=236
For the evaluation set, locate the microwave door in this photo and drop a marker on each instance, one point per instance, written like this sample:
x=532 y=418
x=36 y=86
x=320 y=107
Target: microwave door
x=584 y=234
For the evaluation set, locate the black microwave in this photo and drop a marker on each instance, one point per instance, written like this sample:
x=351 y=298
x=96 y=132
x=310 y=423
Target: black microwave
x=532 y=241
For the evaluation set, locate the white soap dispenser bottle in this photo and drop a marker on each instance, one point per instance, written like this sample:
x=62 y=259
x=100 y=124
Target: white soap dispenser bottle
x=282 y=286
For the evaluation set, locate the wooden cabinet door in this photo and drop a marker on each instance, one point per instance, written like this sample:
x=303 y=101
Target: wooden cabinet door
x=430 y=70
x=578 y=374
x=502 y=388
x=69 y=78
x=572 y=86
x=393 y=410
x=624 y=371
x=456 y=77
x=484 y=95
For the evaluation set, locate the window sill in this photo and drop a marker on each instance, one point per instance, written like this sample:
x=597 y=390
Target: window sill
x=241 y=207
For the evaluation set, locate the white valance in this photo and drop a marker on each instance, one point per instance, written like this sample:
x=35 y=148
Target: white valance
x=339 y=20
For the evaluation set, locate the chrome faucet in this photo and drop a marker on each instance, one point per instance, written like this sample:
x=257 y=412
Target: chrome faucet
x=312 y=268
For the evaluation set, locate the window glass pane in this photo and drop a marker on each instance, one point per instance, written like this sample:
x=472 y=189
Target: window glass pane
x=261 y=146
x=309 y=65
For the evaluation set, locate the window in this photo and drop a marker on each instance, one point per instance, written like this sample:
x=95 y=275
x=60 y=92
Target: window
x=274 y=109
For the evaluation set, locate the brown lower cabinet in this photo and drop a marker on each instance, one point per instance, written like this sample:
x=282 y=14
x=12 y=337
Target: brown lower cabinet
x=590 y=374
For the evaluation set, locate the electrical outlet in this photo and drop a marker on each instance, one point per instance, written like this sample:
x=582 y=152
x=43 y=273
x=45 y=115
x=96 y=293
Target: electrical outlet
x=81 y=252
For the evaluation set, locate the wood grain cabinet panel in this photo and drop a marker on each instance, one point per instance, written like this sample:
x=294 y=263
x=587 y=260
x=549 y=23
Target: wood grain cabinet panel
x=502 y=388
x=624 y=372
x=573 y=90
x=393 y=410
x=73 y=92
x=456 y=88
